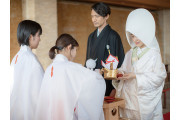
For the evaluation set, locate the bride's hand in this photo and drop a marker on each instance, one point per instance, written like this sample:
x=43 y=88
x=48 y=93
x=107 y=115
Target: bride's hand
x=120 y=75
x=127 y=76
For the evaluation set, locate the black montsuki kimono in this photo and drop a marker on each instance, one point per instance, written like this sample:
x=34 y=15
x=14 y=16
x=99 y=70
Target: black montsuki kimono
x=96 y=48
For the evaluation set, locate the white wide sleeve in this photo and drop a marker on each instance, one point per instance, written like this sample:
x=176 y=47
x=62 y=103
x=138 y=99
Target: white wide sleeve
x=125 y=67
x=36 y=78
x=153 y=78
x=91 y=96
x=71 y=85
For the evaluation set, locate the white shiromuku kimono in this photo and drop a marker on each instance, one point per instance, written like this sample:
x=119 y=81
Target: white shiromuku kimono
x=143 y=94
x=27 y=76
x=70 y=92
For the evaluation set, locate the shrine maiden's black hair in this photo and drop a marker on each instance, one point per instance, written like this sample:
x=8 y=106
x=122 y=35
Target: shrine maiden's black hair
x=102 y=9
x=25 y=29
x=63 y=41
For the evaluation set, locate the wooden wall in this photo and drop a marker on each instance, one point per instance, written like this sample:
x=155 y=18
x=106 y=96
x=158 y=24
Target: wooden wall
x=75 y=18
x=15 y=18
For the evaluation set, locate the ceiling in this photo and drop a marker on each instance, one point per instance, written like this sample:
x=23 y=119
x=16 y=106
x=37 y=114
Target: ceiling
x=148 y=4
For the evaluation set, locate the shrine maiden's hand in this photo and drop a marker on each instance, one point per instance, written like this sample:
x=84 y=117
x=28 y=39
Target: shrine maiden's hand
x=127 y=76
x=98 y=71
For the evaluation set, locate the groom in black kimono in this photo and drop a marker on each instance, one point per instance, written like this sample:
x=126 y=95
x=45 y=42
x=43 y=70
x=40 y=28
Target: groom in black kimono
x=100 y=38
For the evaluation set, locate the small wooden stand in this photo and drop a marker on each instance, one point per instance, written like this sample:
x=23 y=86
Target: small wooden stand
x=111 y=110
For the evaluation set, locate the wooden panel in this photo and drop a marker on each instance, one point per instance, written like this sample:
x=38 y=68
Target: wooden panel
x=148 y=4
x=15 y=18
x=75 y=18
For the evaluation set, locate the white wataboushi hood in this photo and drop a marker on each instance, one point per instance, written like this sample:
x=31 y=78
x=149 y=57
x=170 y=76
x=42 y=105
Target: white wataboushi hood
x=141 y=23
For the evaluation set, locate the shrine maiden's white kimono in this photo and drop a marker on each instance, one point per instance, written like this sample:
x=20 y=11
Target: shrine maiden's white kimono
x=27 y=76
x=70 y=92
x=143 y=94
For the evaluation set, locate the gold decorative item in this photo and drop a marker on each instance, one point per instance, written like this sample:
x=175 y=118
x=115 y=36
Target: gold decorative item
x=110 y=67
x=110 y=74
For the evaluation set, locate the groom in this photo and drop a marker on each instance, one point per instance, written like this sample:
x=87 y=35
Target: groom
x=100 y=38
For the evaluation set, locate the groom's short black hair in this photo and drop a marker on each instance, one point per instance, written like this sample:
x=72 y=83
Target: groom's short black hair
x=102 y=9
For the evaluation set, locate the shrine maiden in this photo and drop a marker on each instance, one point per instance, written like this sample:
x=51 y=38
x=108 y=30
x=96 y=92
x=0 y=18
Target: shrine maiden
x=144 y=73
x=69 y=91
x=27 y=72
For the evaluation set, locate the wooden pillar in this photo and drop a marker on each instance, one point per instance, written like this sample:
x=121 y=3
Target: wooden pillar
x=45 y=13
x=15 y=18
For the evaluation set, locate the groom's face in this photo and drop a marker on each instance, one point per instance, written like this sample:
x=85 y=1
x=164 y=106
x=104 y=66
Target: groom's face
x=97 y=20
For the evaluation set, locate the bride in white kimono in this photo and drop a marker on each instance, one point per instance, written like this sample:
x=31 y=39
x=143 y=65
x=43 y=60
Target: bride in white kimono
x=69 y=91
x=27 y=72
x=144 y=73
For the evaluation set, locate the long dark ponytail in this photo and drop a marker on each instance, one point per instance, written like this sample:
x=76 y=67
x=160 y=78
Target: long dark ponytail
x=62 y=41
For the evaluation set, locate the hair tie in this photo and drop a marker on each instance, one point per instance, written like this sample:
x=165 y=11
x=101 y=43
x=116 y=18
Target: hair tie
x=59 y=48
